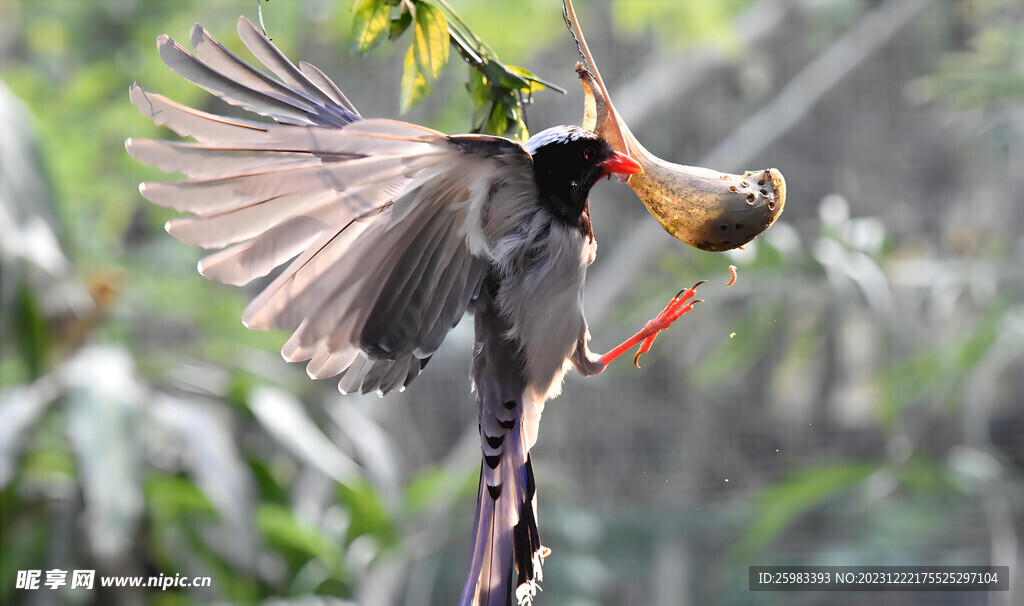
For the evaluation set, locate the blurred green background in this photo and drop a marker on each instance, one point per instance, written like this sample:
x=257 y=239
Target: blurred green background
x=855 y=398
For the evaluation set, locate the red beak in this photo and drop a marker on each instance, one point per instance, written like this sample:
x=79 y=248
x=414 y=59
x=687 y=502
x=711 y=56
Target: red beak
x=621 y=164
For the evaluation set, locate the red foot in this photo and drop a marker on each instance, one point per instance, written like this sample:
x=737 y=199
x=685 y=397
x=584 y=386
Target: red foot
x=679 y=305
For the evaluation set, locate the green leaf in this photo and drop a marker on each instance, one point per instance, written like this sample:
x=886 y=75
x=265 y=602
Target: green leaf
x=497 y=122
x=48 y=464
x=32 y=331
x=517 y=127
x=519 y=132
x=981 y=339
x=532 y=85
x=370 y=515
x=478 y=88
x=426 y=57
x=779 y=505
x=415 y=87
x=430 y=45
x=283 y=531
x=422 y=490
x=501 y=76
x=26 y=533
x=400 y=24
x=437 y=485
x=171 y=496
x=371 y=22
x=480 y=115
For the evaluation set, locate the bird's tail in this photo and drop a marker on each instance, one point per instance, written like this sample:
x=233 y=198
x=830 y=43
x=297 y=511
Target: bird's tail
x=506 y=558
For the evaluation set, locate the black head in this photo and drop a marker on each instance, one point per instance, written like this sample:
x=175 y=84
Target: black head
x=567 y=162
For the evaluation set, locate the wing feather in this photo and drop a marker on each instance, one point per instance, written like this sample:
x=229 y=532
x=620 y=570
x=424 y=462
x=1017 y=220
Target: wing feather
x=317 y=97
x=189 y=122
x=293 y=296
x=217 y=231
x=464 y=288
x=398 y=313
x=375 y=375
x=280 y=107
x=206 y=197
x=377 y=221
x=294 y=351
x=294 y=99
x=321 y=81
x=352 y=377
x=328 y=362
x=240 y=264
x=275 y=61
x=396 y=375
x=200 y=161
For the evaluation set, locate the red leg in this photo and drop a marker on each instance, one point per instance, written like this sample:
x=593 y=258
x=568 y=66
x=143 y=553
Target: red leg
x=678 y=306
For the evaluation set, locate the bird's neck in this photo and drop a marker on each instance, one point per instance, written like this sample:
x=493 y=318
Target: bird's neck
x=566 y=200
x=570 y=213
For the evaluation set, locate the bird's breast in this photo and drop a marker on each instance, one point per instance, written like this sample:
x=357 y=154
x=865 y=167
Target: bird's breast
x=541 y=297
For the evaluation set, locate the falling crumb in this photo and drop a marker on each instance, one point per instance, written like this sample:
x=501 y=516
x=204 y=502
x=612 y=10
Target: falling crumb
x=732 y=334
x=727 y=479
x=732 y=276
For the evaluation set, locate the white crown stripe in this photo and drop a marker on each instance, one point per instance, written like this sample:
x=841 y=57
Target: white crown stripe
x=557 y=134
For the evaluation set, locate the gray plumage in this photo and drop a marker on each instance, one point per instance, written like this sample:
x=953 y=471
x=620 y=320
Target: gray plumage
x=390 y=232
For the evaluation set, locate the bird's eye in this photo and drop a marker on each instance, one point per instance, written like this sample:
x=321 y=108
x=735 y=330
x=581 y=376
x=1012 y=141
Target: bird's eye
x=588 y=154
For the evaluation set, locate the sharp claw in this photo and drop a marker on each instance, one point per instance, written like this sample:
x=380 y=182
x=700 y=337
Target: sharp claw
x=672 y=312
x=692 y=288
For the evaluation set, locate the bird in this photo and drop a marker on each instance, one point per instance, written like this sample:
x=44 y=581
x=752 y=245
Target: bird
x=389 y=233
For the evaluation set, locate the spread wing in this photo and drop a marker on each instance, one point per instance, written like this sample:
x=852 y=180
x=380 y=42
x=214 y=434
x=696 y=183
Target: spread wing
x=380 y=219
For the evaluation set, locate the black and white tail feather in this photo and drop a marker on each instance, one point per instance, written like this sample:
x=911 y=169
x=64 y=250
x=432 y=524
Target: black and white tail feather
x=505 y=532
x=390 y=232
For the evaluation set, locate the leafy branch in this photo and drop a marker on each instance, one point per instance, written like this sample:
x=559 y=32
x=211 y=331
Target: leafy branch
x=499 y=91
